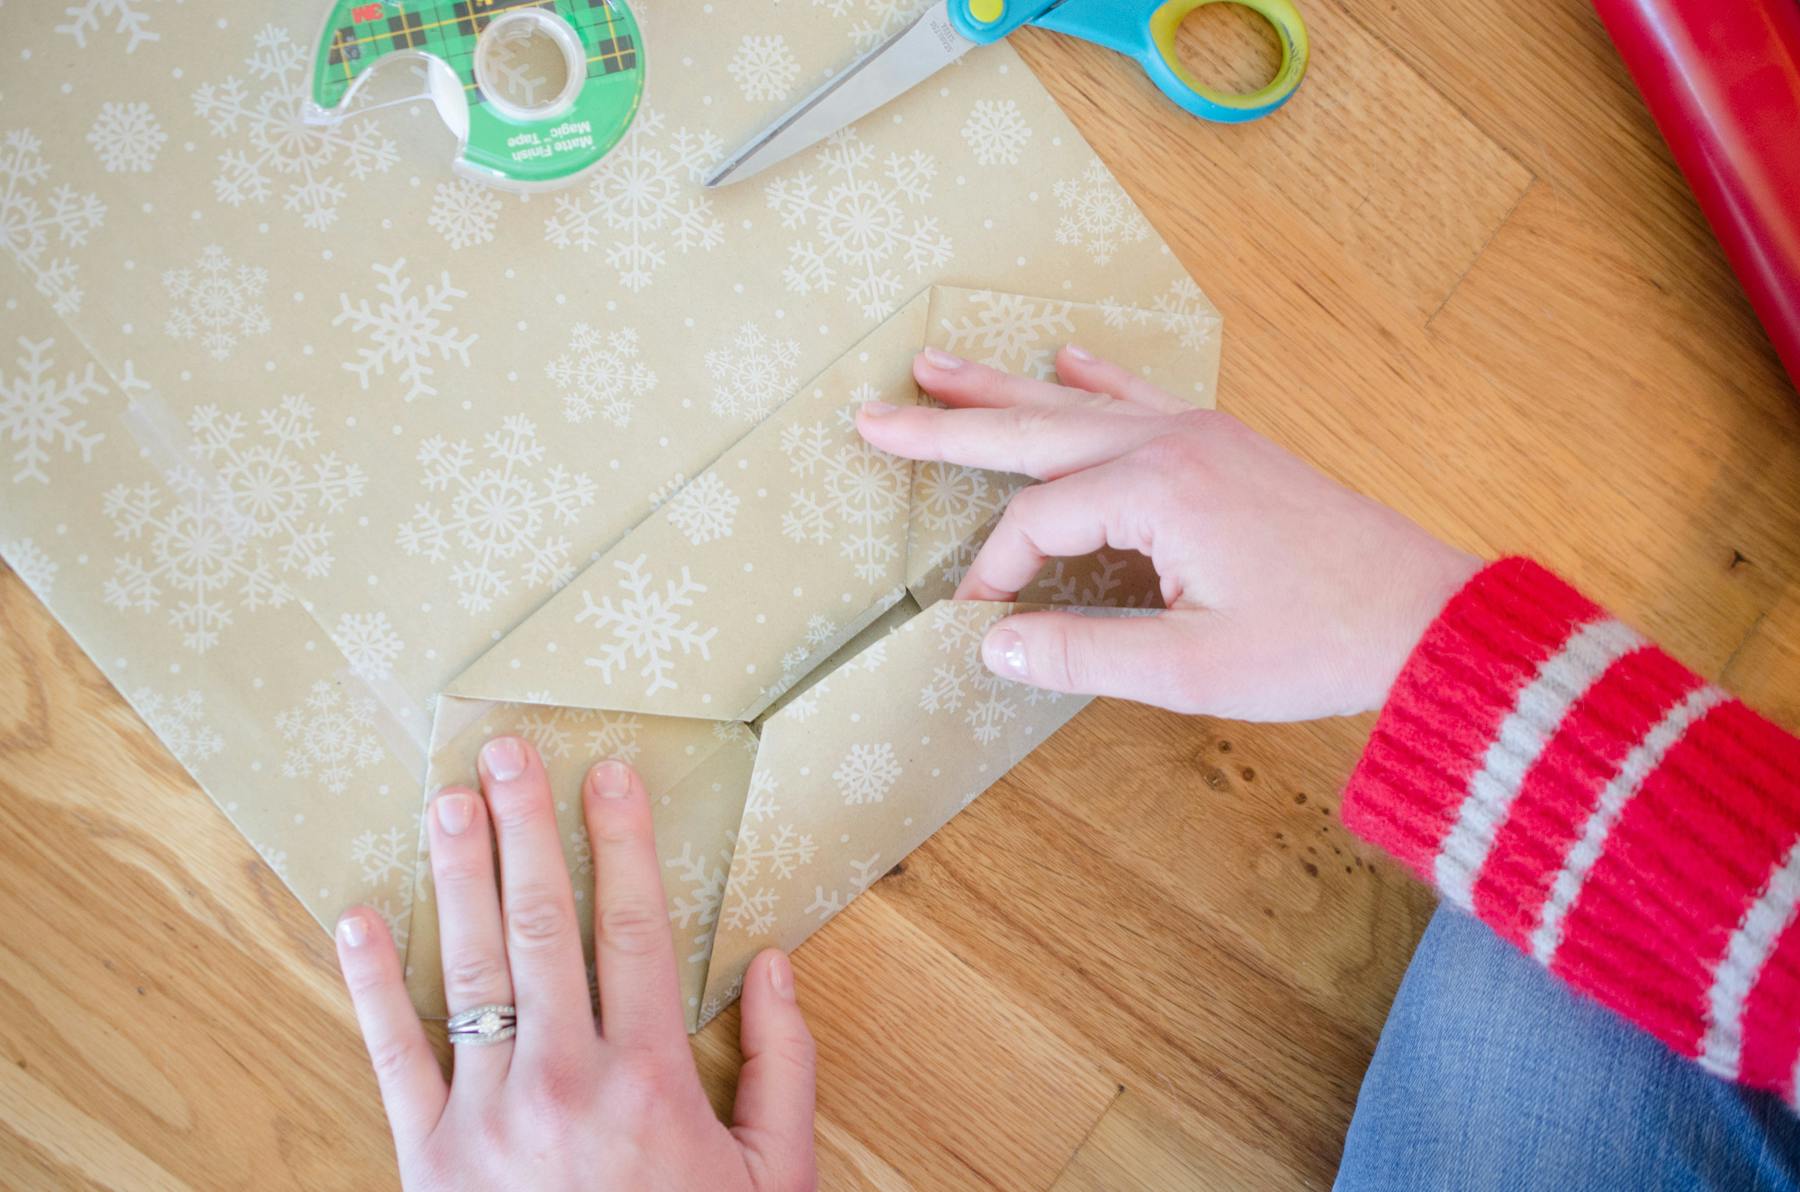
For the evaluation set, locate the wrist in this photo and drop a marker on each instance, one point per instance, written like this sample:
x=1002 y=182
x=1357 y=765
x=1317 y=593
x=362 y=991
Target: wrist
x=1425 y=592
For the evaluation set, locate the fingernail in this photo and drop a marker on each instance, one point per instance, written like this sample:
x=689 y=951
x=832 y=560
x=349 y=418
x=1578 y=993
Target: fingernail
x=352 y=931
x=781 y=977
x=942 y=361
x=1080 y=353
x=454 y=812
x=877 y=409
x=504 y=758
x=612 y=780
x=1004 y=652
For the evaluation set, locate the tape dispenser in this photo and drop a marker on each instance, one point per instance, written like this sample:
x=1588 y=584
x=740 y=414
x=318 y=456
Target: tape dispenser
x=513 y=140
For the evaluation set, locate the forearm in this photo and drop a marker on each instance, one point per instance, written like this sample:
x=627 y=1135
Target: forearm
x=1633 y=828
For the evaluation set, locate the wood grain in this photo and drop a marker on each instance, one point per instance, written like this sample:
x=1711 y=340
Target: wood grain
x=1458 y=271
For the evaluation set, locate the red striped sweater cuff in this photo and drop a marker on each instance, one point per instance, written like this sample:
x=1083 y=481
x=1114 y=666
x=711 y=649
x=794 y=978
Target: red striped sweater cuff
x=1628 y=825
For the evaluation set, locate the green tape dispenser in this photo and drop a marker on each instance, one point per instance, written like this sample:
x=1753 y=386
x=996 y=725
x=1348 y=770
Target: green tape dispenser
x=471 y=51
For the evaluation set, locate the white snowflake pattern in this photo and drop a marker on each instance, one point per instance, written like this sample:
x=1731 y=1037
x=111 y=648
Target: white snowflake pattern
x=646 y=625
x=859 y=224
x=867 y=774
x=1097 y=214
x=750 y=910
x=271 y=140
x=614 y=734
x=774 y=857
x=39 y=412
x=331 y=737
x=852 y=492
x=370 y=644
x=756 y=860
x=951 y=563
x=1180 y=310
x=216 y=301
x=805 y=706
x=1184 y=310
x=964 y=684
x=581 y=858
x=727 y=732
x=407 y=329
x=875 y=655
x=31 y=564
x=753 y=374
x=132 y=387
x=464 y=212
x=759 y=802
x=559 y=732
x=127 y=136
x=863 y=874
x=764 y=67
x=1096 y=580
x=519 y=65
x=384 y=855
x=643 y=201
x=180 y=722
x=28 y=225
x=276 y=485
x=705 y=510
x=953 y=503
x=873 y=21
x=996 y=132
x=497 y=514
x=699 y=888
x=821 y=631
x=130 y=19
x=1012 y=333
x=952 y=499
x=721 y=997
x=601 y=374
x=275 y=858
x=202 y=533
x=198 y=545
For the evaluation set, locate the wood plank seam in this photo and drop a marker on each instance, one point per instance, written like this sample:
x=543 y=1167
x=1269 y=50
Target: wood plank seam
x=1480 y=252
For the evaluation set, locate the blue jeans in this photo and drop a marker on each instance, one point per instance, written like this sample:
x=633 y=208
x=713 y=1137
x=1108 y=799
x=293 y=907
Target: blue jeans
x=1492 y=1074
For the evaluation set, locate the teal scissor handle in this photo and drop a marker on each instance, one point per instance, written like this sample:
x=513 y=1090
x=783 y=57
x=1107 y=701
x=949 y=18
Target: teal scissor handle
x=1144 y=30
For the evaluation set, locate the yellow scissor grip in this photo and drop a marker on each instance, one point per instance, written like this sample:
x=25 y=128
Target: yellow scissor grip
x=1166 y=21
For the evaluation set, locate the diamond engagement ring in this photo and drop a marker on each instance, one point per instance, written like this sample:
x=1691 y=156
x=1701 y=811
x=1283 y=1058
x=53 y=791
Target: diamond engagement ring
x=484 y=1024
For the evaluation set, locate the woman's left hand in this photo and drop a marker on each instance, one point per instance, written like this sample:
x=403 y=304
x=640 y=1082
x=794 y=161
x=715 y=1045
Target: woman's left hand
x=572 y=1101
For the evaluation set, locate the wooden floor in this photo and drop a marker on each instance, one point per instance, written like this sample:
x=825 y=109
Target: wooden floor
x=1459 y=272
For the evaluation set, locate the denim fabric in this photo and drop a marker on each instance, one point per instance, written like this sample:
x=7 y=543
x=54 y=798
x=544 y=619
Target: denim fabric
x=1492 y=1074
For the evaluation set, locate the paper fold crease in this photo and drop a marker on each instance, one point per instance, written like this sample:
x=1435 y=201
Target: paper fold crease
x=802 y=578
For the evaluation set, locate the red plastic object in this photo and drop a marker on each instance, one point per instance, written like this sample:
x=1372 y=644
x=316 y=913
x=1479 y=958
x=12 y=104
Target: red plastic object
x=1722 y=80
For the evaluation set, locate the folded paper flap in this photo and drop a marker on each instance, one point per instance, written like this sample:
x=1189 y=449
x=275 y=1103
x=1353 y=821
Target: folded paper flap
x=801 y=533
x=525 y=379
x=857 y=771
x=1174 y=344
x=664 y=749
x=746 y=576
x=698 y=772
x=755 y=575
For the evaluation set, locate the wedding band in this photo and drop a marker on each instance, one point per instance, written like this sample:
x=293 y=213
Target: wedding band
x=484 y=1024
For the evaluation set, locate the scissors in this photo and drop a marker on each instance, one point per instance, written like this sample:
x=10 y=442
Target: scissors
x=1143 y=30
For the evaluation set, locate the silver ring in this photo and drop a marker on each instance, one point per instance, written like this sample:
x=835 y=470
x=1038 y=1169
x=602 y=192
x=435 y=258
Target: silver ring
x=484 y=1024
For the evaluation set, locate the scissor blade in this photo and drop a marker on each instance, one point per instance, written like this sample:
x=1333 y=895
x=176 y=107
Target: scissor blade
x=891 y=69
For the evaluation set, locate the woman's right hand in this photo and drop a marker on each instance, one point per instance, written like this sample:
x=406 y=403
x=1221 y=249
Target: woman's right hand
x=583 y=1096
x=1289 y=596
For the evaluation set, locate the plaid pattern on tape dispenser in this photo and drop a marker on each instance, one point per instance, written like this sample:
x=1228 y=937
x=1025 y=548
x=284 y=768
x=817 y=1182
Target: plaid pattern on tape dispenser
x=529 y=143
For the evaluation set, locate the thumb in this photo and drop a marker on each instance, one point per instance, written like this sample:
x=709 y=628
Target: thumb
x=1150 y=659
x=773 y=1118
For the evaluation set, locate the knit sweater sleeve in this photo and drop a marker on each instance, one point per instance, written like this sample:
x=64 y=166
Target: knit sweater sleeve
x=1628 y=825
